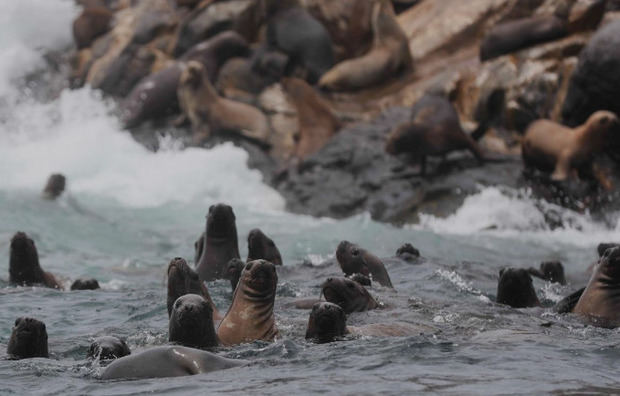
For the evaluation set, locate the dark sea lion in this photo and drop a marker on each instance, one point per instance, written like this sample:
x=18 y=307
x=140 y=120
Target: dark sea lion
x=220 y=244
x=515 y=288
x=354 y=259
x=208 y=112
x=260 y=246
x=602 y=247
x=317 y=123
x=28 y=339
x=388 y=56
x=168 y=361
x=600 y=301
x=407 y=252
x=183 y=280
x=108 y=348
x=24 y=267
x=549 y=146
x=551 y=271
x=90 y=24
x=361 y=279
x=434 y=129
x=250 y=316
x=350 y=295
x=55 y=186
x=234 y=269
x=521 y=33
x=85 y=284
x=191 y=323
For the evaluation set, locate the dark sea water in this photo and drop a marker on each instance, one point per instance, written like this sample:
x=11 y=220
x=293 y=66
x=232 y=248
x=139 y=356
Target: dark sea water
x=128 y=211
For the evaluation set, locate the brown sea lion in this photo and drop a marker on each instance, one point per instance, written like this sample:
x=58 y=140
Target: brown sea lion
x=108 y=348
x=28 y=339
x=90 y=24
x=549 y=146
x=389 y=55
x=191 y=322
x=85 y=284
x=350 y=295
x=317 y=123
x=208 y=112
x=599 y=302
x=354 y=259
x=551 y=271
x=515 y=288
x=434 y=129
x=260 y=246
x=183 y=280
x=220 y=244
x=55 y=186
x=24 y=267
x=250 y=316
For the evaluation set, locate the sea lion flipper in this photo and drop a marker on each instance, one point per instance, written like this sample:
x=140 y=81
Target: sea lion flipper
x=568 y=303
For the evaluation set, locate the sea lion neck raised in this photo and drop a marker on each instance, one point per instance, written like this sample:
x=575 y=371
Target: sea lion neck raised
x=220 y=243
x=348 y=294
x=191 y=322
x=250 y=316
x=327 y=322
x=515 y=288
x=183 y=280
x=353 y=259
x=24 y=267
x=28 y=339
x=260 y=246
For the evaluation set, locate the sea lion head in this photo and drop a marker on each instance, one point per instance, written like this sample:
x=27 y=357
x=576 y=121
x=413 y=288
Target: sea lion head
x=191 y=322
x=85 y=284
x=55 y=186
x=24 y=268
x=515 y=288
x=221 y=222
x=602 y=123
x=553 y=271
x=260 y=246
x=602 y=247
x=348 y=294
x=351 y=260
x=327 y=322
x=108 y=348
x=361 y=279
x=259 y=279
x=407 y=252
x=181 y=280
x=609 y=264
x=193 y=75
x=233 y=270
x=28 y=339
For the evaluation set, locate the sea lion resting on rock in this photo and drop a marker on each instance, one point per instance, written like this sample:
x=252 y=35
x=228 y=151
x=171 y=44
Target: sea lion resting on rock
x=549 y=146
x=168 y=361
x=183 y=280
x=28 y=339
x=108 y=348
x=24 y=267
x=55 y=186
x=208 y=112
x=191 y=323
x=353 y=259
x=389 y=54
x=260 y=246
x=348 y=294
x=250 y=316
x=515 y=288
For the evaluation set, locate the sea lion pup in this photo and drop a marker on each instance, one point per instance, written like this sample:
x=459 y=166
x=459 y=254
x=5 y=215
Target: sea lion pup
x=260 y=246
x=549 y=146
x=191 y=323
x=220 y=243
x=551 y=271
x=354 y=259
x=599 y=302
x=515 y=288
x=55 y=186
x=208 y=112
x=168 y=361
x=85 y=284
x=389 y=55
x=250 y=316
x=317 y=123
x=28 y=339
x=183 y=280
x=234 y=269
x=90 y=24
x=434 y=129
x=348 y=294
x=24 y=267
x=108 y=348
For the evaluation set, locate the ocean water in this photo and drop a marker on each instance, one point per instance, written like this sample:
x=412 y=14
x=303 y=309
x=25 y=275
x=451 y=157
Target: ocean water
x=128 y=211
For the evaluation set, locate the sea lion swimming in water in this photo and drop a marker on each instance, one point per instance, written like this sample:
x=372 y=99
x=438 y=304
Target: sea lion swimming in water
x=108 y=348
x=191 y=323
x=250 y=316
x=348 y=294
x=551 y=271
x=353 y=259
x=28 y=339
x=260 y=246
x=515 y=288
x=183 y=280
x=24 y=267
x=85 y=284
x=55 y=186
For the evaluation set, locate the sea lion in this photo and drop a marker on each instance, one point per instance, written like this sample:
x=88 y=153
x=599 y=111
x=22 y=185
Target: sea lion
x=260 y=246
x=354 y=259
x=350 y=295
x=250 y=316
x=361 y=279
x=191 y=323
x=388 y=56
x=90 y=24
x=549 y=146
x=24 y=267
x=599 y=302
x=55 y=186
x=602 y=247
x=434 y=129
x=168 y=361
x=551 y=271
x=85 y=284
x=28 y=339
x=515 y=288
x=208 y=112
x=183 y=280
x=220 y=244
x=108 y=348
x=408 y=252
x=317 y=123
